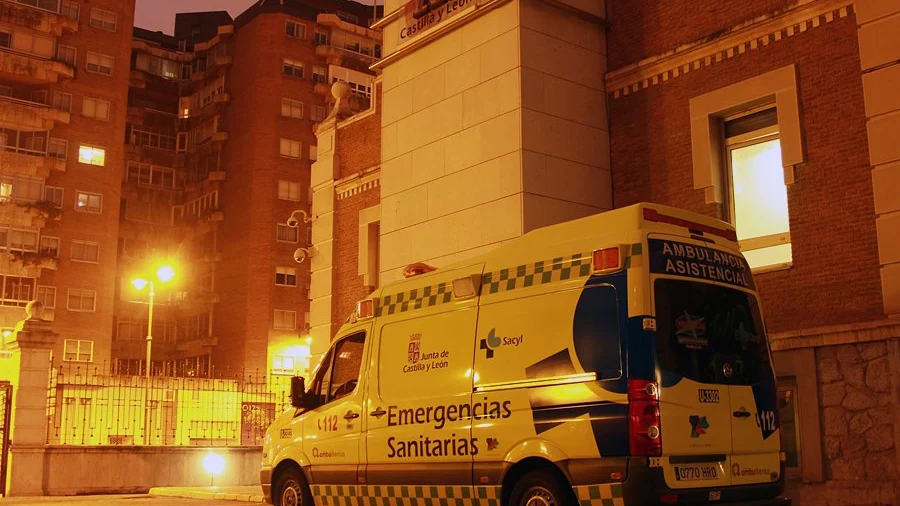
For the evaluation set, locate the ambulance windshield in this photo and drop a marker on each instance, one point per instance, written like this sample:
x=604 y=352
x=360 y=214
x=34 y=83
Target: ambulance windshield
x=710 y=333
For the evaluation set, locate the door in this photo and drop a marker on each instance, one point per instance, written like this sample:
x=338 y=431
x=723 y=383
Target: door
x=331 y=431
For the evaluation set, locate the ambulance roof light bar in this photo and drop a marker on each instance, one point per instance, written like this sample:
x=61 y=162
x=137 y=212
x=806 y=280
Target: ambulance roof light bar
x=655 y=216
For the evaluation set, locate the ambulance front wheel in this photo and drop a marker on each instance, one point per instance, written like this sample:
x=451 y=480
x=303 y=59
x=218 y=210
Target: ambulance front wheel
x=541 y=488
x=291 y=489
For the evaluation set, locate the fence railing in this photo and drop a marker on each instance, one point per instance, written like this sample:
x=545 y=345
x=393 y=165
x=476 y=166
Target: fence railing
x=86 y=406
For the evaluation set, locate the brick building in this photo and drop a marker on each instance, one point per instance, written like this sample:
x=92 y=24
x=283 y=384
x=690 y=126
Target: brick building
x=220 y=142
x=63 y=100
x=779 y=116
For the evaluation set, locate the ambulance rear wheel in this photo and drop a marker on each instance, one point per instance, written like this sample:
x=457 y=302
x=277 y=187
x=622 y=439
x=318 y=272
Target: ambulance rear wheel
x=291 y=489
x=540 y=488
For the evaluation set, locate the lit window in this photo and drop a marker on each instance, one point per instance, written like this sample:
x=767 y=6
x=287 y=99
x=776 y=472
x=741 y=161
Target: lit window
x=758 y=194
x=91 y=155
x=295 y=29
x=289 y=190
x=50 y=246
x=88 y=202
x=285 y=319
x=82 y=301
x=285 y=276
x=284 y=233
x=293 y=68
x=95 y=108
x=290 y=148
x=6 y=192
x=83 y=251
x=66 y=54
x=291 y=108
x=100 y=63
x=282 y=364
x=104 y=19
x=77 y=350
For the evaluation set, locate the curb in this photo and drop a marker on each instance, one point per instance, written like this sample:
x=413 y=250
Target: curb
x=204 y=494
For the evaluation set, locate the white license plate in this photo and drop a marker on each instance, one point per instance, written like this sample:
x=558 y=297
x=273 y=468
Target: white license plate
x=696 y=473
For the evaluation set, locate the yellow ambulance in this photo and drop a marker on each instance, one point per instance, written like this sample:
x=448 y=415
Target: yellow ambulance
x=615 y=360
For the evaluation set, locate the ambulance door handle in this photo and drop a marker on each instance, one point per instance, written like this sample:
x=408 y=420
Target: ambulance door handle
x=741 y=414
x=378 y=413
x=351 y=415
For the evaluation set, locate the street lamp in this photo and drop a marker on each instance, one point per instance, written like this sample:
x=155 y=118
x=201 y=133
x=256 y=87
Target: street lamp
x=164 y=274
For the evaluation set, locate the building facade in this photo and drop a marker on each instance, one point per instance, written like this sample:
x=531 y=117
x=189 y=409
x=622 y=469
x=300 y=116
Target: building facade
x=63 y=98
x=778 y=116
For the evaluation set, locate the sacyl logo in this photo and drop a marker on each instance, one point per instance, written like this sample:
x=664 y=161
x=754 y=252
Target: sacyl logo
x=492 y=342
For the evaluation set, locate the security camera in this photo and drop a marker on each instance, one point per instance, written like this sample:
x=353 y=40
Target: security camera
x=294 y=221
x=301 y=254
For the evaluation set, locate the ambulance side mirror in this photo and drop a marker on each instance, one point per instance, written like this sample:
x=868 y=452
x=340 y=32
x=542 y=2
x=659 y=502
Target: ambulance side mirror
x=298 y=392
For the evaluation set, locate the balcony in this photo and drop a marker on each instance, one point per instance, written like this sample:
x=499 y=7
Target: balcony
x=35 y=18
x=27 y=116
x=28 y=164
x=29 y=69
x=323 y=89
x=33 y=214
x=27 y=264
x=224 y=60
x=335 y=55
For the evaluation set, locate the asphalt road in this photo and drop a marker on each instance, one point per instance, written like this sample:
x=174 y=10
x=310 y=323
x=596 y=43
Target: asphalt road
x=116 y=500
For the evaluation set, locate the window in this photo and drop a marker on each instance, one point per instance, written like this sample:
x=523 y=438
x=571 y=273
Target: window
x=19 y=239
x=32 y=43
x=283 y=364
x=295 y=29
x=58 y=148
x=5 y=40
x=289 y=190
x=285 y=319
x=320 y=38
x=50 y=246
x=84 y=251
x=293 y=68
x=319 y=75
x=88 y=202
x=104 y=19
x=17 y=291
x=369 y=233
x=290 y=148
x=285 y=276
x=350 y=18
x=291 y=108
x=84 y=301
x=77 y=350
x=66 y=54
x=71 y=10
x=788 y=413
x=284 y=233
x=46 y=295
x=95 y=108
x=318 y=113
x=20 y=189
x=54 y=194
x=100 y=63
x=39 y=97
x=62 y=101
x=339 y=373
x=91 y=155
x=756 y=201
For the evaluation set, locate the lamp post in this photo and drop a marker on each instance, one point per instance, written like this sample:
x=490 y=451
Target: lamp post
x=164 y=274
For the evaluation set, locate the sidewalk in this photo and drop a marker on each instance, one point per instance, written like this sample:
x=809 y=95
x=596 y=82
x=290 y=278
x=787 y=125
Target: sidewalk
x=250 y=493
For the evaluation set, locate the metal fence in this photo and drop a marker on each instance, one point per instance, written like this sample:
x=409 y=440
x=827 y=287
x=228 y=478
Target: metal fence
x=90 y=406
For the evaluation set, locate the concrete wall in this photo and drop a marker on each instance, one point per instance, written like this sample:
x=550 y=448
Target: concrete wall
x=72 y=470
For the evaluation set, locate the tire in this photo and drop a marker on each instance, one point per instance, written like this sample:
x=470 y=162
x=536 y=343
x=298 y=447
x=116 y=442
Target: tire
x=290 y=489
x=541 y=488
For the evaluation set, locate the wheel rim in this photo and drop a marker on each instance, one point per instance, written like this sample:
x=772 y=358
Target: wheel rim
x=290 y=494
x=539 y=496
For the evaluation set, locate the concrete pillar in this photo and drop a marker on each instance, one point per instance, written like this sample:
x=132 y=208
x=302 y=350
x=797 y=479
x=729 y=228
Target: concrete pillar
x=30 y=365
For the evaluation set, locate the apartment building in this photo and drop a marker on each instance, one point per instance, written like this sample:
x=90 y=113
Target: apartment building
x=64 y=69
x=219 y=143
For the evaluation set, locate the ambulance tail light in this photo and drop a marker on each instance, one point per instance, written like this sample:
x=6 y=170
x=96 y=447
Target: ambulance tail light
x=644 y=429
x=692 y=226
x=607 y=259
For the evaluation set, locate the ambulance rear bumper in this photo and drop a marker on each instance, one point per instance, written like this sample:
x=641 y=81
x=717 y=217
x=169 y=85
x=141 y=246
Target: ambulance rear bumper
x=646 y=486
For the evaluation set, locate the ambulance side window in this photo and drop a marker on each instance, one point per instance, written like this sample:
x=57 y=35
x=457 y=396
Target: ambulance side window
x=596 y=332
x=339 y=374
x=320 y=386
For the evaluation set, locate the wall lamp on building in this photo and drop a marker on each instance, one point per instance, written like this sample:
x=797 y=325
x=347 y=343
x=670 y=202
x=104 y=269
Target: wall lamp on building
x=214 y=464
x=164 y=274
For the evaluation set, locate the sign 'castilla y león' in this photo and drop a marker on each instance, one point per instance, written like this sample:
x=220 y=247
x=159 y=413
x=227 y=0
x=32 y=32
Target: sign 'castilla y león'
x=420 y=15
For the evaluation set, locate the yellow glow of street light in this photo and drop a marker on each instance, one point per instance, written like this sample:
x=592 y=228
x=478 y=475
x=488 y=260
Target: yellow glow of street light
x=165 y=273
x=140 y=283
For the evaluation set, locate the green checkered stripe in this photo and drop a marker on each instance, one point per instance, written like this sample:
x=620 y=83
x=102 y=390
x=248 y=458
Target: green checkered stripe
x=538 y=273
x=609 y=494
x=417 y=298
x=405 y=495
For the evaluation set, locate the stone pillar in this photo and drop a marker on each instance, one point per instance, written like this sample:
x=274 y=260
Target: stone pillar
x=31 y=347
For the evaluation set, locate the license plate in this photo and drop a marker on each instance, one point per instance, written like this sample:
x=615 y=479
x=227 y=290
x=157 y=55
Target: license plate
x=696 y=473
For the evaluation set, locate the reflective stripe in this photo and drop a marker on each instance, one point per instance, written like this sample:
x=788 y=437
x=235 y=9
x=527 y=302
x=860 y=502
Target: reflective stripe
x=600 y=495
x=405 y=495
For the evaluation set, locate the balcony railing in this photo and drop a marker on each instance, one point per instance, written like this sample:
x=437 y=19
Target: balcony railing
x=41 y=15
x=32 y=68
x=28 y=163
x=336 y=54
x=25 y=115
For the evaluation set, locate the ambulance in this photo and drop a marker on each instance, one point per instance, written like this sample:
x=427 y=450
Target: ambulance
x=615 y=360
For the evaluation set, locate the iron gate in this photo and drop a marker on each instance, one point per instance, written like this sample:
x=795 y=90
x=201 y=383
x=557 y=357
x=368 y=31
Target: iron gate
x=5 y=409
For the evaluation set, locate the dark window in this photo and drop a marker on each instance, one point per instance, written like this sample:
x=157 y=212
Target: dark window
x=595 y=332
x=339 y=372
